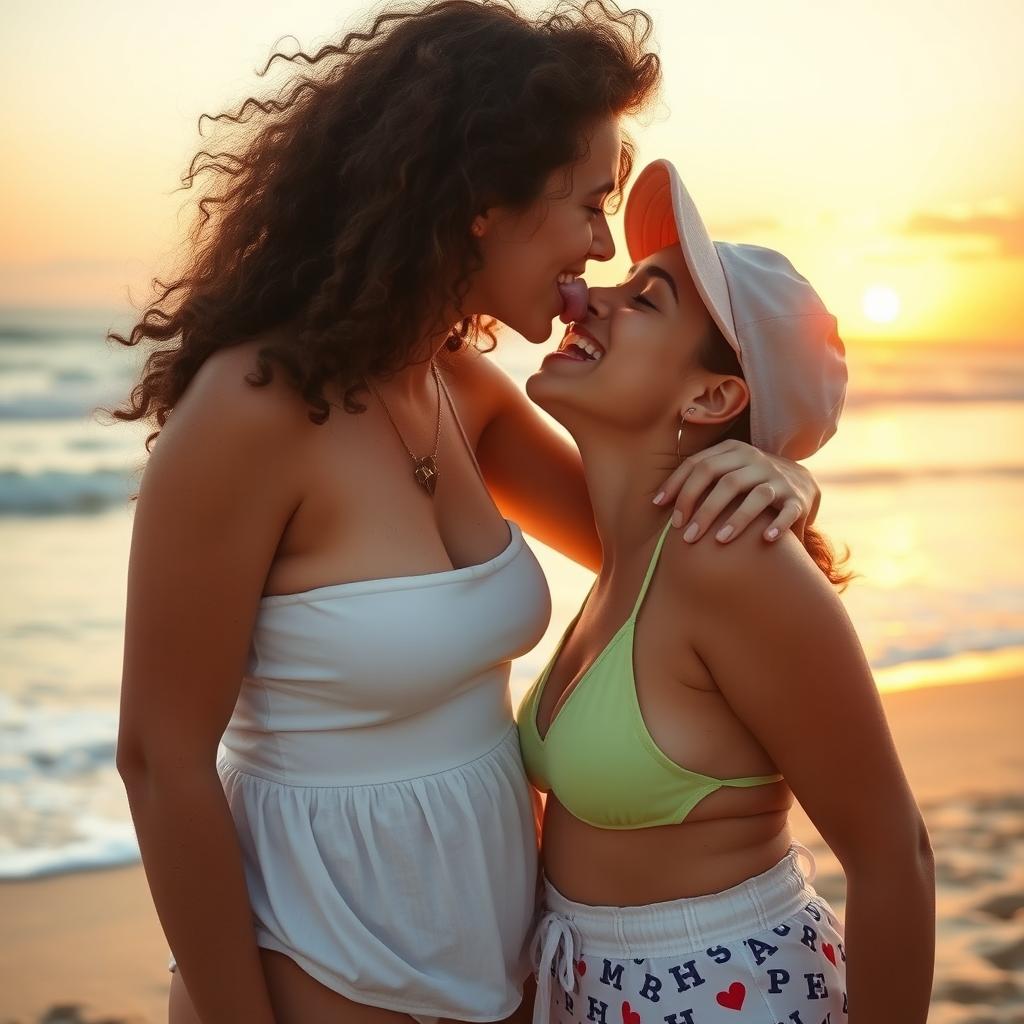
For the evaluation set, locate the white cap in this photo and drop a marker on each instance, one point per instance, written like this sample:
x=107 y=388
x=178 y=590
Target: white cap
x=788 y=345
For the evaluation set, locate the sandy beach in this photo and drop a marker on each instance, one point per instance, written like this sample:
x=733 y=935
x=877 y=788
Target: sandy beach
x=92 y=939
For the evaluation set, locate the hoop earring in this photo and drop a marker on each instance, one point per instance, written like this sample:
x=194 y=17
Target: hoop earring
x=679 y=432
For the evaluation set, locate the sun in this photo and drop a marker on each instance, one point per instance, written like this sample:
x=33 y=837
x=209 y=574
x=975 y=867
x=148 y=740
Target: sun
x=881 y=304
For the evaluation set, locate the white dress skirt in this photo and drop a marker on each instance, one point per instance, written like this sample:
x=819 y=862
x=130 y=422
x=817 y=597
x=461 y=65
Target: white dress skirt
x=373 y=772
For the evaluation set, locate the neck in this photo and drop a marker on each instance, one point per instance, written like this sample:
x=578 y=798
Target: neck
x=624 y=473
x=414 y=383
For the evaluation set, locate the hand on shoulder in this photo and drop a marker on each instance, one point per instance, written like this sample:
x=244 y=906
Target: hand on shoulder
x=714 y=571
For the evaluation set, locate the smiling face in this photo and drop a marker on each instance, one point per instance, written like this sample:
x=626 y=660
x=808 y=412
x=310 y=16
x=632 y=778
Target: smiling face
x=633 y=363
x=527 y=252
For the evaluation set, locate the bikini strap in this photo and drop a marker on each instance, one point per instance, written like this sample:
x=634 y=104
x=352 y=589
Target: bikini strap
x=650 y=570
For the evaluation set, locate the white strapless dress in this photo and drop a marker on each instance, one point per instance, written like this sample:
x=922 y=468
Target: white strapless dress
x=373 y=771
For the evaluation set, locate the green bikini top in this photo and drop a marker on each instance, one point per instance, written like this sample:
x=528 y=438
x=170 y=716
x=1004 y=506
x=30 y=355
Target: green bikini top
x=598 y=757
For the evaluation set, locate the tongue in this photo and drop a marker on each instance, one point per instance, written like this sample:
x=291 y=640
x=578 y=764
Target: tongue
x=574 y=298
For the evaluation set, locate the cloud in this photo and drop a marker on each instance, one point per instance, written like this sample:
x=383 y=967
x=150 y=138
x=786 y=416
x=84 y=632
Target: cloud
x=1002 y=233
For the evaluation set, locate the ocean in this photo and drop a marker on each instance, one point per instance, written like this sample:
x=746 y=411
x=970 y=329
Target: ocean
x=924 y=482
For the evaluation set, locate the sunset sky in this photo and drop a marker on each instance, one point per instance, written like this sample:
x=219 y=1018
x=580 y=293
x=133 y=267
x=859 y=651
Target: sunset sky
x=878 y=144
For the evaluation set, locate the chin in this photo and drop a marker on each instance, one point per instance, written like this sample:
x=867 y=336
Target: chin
x=546 y=393
x=536 y=390
x=535 y=331
x=540 y=335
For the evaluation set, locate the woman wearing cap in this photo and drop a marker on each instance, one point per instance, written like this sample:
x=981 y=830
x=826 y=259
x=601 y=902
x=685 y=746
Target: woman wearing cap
x=698 y=691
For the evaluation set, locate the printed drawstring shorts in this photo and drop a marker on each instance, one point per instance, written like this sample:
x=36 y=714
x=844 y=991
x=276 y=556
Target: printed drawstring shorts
x=769 y=950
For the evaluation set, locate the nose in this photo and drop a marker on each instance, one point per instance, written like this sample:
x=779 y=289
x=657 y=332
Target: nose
x=599 y=302
x=602 y=247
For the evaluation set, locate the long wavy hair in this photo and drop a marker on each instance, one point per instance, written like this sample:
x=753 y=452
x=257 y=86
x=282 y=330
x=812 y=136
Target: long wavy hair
x=341 y=207
x=716 y=355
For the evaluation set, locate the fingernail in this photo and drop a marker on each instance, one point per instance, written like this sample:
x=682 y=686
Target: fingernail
x=724 y=533
x=691 y=532
x=677 y=519
x=659 y=497
x=773 y=533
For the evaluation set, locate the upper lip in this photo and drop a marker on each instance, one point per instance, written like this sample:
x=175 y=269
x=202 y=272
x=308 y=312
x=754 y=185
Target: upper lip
x=581 y=331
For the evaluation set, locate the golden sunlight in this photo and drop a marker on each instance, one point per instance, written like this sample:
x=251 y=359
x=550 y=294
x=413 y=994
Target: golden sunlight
x=881 y=304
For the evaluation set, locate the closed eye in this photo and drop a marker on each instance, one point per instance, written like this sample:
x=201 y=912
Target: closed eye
x=638 y=299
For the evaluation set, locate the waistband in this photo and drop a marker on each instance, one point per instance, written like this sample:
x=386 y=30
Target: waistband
x=301 y=748
x=695 y=922
x=568 y=929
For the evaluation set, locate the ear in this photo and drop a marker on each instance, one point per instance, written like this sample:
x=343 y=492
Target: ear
x=721 y=401
x=481 y=224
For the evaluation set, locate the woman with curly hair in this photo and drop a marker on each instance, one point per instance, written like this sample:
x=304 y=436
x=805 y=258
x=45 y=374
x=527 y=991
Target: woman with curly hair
x=316 y=735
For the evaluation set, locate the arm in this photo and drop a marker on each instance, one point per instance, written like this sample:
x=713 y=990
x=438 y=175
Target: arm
x=800 y=682
x=534 y=471
x=215 y=497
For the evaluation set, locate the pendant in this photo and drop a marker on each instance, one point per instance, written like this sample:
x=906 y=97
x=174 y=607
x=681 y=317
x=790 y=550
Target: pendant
x=426 y=473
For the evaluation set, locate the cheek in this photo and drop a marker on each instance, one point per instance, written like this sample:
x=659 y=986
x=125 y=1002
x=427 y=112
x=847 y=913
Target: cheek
x=631 y=379
x=519 y=293
x=566 y=238
x=511 y=277
x=637 y=376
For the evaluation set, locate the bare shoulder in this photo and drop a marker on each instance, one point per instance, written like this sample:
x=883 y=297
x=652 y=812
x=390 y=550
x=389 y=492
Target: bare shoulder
x=224 y=413
x=721 y=575
x=227 y=380
x=230 y=439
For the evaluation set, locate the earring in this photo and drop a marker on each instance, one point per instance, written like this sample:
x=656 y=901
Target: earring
x=679 y=433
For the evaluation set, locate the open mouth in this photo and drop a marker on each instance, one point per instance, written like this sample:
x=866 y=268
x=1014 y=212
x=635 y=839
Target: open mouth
x=577 y=346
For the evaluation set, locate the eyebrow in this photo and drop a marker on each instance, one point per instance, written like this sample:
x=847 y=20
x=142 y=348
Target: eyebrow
x=653 y=270
x=604 y=189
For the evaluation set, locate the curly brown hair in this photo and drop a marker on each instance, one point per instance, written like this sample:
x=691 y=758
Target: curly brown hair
x=342 y=206
x=718 y=356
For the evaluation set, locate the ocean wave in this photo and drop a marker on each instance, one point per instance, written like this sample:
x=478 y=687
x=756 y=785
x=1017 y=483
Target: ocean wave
x=62 y=804
x=950 y=646
x=19 y=332
x=48 y=407
x=77 y=398
x=899 y=474
x=30 y=729
x=87 y=328
x=59 y=492
x=103 y=843
x=859 y=399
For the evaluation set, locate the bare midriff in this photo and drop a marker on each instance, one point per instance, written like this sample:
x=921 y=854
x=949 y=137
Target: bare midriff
x=729 y=837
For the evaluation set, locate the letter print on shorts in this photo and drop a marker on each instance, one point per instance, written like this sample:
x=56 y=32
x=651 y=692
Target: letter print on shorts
x=794 y=973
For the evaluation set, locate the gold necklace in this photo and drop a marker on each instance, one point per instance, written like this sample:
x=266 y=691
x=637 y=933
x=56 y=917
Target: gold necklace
x=425 y=468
